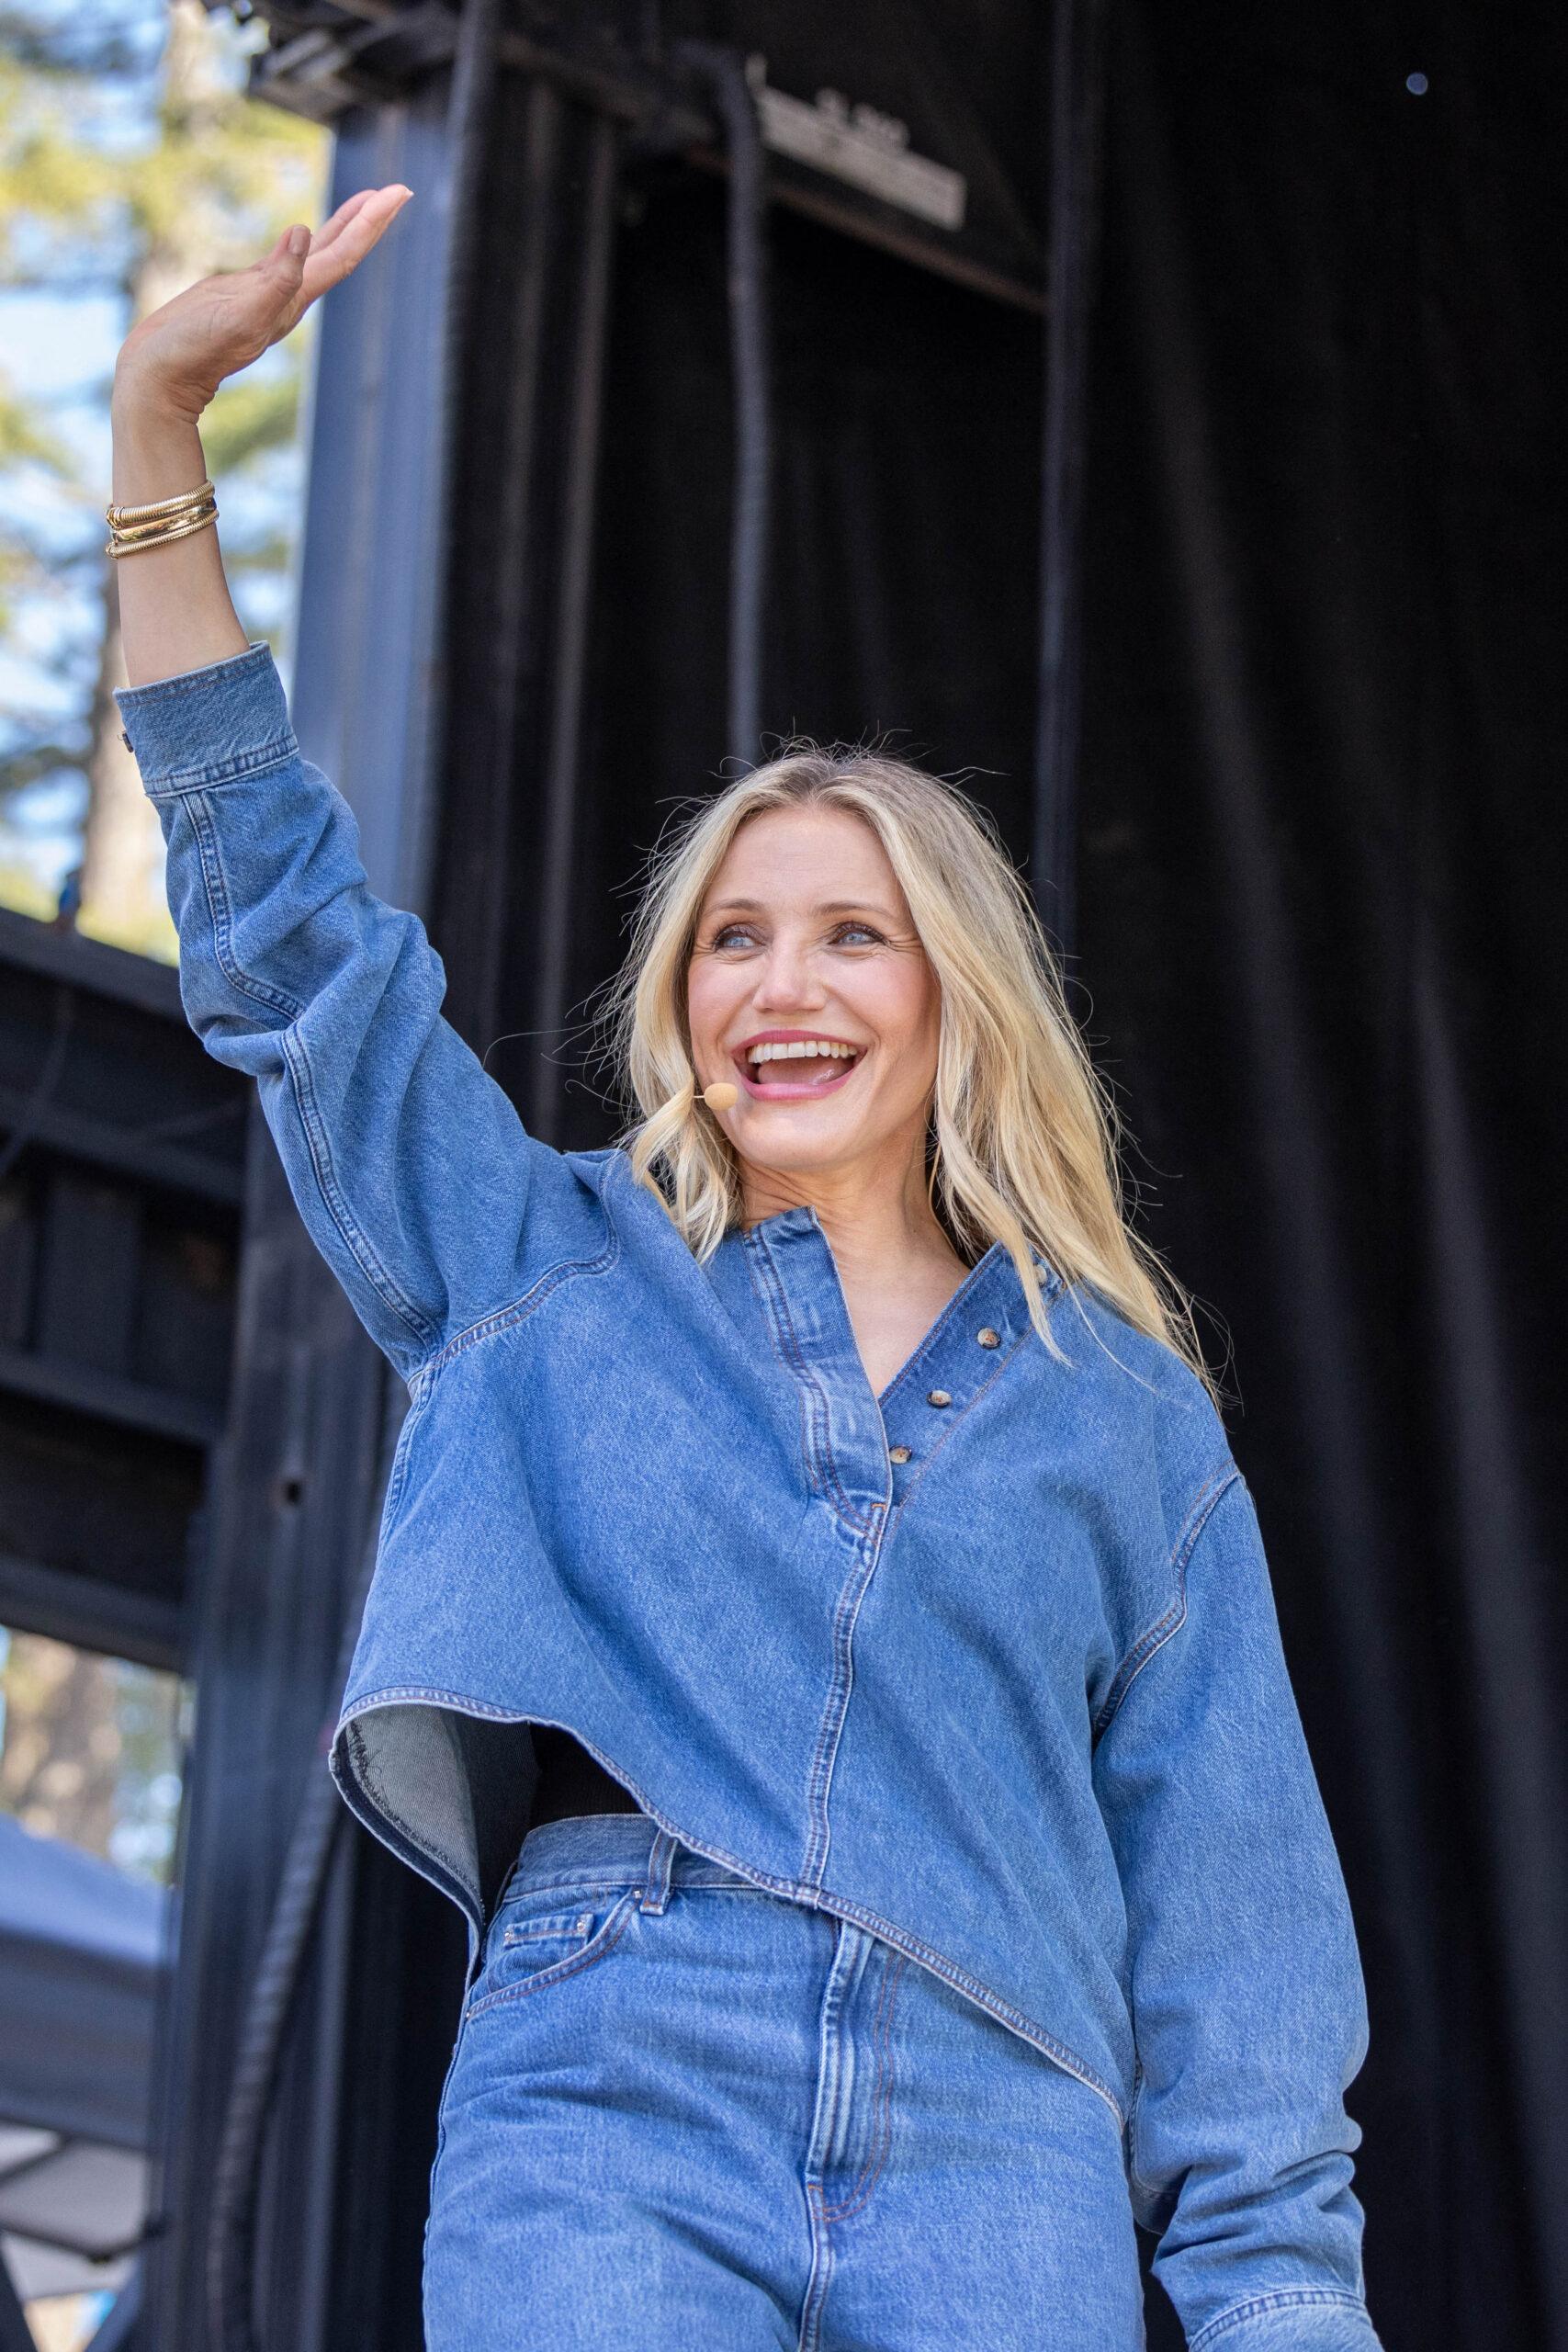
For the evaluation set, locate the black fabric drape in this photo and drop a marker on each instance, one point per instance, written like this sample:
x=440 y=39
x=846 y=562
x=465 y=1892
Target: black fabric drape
x=1321 y=880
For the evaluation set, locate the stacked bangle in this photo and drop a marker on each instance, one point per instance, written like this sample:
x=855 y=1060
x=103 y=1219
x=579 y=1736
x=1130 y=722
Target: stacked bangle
x=131 y=528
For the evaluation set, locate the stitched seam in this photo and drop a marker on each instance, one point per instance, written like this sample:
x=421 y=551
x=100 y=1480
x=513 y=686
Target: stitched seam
x=1050 y=1282
x=399 y=1478
x=356 y=1242
x=836 y=2212
x=409 y=1692
x=503 y=1319
x=518 y=1310
x=1130 y=2129
x=1282 y=2299
x=939 y=1329
x=1150 y=2189
x=778 y=1319
x=809 y=1381
x=802 y=1402
x=961 y=1982
x=1156 y=1635
x=428 y=1691
x=506 y=1318
x=820 y=2276
x=221 y=913
x=297 y=1065
x=621 y=1885
x=595 y=1949
x=181 y=783
x=549 y=1929
x=954 y=1421
x=836 y=1905
x=825 y=1756
x=190 y=682
x=357 y=1785
x=882 y=2102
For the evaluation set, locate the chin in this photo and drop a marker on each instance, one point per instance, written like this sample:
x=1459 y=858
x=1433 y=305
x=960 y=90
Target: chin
x=808 y=1158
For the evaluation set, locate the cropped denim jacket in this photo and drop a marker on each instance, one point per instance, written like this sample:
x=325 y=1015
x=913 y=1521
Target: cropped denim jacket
x=987 y=1663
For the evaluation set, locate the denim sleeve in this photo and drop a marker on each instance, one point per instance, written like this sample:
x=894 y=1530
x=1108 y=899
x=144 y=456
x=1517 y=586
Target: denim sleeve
x=1248 y=2006
x=409 y=1166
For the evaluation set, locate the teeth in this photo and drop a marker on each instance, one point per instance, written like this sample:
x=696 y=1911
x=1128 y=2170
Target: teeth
x=801 y=1049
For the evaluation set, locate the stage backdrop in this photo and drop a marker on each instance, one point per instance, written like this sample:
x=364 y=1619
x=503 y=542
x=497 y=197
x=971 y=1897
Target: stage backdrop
x=1323 y=894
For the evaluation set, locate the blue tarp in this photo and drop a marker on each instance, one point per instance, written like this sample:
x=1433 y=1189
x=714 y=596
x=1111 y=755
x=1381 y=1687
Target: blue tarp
x=81 y=1951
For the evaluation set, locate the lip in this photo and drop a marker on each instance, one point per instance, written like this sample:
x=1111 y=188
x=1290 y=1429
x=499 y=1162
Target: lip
x=782 y=1092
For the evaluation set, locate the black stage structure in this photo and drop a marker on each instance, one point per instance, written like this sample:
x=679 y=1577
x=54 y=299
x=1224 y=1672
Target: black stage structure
x=121 y=1183
x=1147 y=413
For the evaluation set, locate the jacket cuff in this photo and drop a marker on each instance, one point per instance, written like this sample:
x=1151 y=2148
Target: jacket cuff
x=1290 y=2319
x=208 y=726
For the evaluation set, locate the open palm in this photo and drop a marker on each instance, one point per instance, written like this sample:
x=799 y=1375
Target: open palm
x=181 y=352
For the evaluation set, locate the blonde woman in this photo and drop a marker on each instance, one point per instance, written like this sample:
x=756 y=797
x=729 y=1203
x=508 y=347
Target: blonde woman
x=926 y=1882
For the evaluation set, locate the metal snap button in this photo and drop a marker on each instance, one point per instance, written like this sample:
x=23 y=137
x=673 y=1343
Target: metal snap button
x=989 y=1339
x=898 y=1453
x=937 y=1397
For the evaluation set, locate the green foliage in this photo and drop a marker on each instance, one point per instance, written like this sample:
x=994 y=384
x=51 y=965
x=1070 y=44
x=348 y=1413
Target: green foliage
x=251 y=415
x=23 y=890
x=120 y=135
x=24 y=436
x=132 y=163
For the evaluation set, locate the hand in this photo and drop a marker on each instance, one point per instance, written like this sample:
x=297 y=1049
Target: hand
x=178 y=355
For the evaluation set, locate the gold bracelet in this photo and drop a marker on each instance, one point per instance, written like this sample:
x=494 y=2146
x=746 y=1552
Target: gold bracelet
x=115 y=515
x=130 y=535
x=118 y=547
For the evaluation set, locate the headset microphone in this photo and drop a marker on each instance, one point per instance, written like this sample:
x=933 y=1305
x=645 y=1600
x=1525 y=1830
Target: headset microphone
x=720 y=1096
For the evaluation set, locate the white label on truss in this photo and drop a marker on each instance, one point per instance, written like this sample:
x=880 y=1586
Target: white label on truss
x=858 y=143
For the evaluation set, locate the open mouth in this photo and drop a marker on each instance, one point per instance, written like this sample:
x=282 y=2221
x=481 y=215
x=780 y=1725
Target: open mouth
x=788 y=1073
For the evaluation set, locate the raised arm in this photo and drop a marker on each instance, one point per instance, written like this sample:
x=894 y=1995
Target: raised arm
x=176 y=612
x=412 y=1170
x=1248 y=2007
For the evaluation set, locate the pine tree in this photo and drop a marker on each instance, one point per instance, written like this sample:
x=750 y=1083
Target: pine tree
x=132 y=164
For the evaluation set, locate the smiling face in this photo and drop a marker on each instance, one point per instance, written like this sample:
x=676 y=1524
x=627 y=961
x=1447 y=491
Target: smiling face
x=805 y=940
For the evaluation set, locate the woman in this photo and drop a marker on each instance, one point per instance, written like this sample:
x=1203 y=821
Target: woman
x=928 y=1881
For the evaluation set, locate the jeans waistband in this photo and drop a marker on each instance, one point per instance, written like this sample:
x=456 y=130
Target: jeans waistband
x=612 y=1850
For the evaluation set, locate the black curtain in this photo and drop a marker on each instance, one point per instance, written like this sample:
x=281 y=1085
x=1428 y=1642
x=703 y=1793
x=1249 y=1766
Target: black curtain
x=1321 y=877
x=902 y=596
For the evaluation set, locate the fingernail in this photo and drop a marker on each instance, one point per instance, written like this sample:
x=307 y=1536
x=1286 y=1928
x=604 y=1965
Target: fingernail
x=299 y=242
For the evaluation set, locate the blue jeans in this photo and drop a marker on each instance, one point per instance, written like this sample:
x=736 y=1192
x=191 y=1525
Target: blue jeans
x=684 y=2112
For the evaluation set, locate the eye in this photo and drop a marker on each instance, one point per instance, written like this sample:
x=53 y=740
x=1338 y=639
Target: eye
x=851 y=933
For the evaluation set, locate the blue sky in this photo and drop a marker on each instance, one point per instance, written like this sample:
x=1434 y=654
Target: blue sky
x=62 y=351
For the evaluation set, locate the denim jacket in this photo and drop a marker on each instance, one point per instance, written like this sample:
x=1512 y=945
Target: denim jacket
x=987 y=1663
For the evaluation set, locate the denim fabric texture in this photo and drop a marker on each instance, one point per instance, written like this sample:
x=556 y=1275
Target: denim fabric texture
x=849 y=2155
x=987 y=1666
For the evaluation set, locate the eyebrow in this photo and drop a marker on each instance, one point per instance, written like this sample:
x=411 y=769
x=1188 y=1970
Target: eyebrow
x=823 y=907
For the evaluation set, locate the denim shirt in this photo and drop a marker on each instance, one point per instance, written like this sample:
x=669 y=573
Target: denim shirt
x=987 y=1663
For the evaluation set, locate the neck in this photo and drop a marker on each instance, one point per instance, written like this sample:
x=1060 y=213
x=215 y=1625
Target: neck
x=878 y=1220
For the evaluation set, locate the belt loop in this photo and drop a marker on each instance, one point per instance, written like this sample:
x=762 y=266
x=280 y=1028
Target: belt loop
x=660 y=1865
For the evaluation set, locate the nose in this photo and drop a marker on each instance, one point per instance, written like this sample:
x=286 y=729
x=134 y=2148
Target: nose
x=786 y=982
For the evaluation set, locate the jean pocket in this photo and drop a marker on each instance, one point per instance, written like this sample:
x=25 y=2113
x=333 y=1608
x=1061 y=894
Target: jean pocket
x=539 y=1938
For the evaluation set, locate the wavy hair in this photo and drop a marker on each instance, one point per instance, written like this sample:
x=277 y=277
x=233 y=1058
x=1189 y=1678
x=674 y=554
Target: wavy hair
x=1022 y=1136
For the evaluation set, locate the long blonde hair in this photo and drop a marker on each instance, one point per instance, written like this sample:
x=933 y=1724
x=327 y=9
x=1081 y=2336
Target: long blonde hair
x=1024 y=1135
